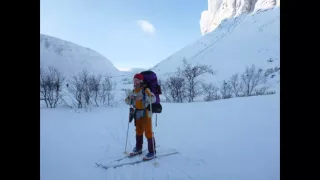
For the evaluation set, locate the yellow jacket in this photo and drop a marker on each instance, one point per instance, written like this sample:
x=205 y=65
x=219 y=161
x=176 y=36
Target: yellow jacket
x=138 y=102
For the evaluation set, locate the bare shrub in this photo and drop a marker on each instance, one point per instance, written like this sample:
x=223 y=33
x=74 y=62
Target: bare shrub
x=236 y=86
x=51 y=83
x=261 y=91
x=225 y=90
x=88 y=89
x=175 y=89
x=210 y=91
x=76 y=89
x=192 y=82
x=84 y=78
x=79 y=89
x=106 y=95
x=252 y=78
x=94 y=88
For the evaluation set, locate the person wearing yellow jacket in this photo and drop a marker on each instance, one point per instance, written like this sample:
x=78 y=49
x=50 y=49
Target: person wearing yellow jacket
x=140 y=98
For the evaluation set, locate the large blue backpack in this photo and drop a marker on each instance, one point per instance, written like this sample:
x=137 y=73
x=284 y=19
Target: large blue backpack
x=151 y=81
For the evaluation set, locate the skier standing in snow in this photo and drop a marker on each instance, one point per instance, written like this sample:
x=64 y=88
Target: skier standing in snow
x=140 y=98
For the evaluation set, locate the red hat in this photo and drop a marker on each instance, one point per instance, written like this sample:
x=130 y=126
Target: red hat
x=138 y=76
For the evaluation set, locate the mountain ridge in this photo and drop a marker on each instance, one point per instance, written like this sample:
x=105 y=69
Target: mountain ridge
x=71 y=58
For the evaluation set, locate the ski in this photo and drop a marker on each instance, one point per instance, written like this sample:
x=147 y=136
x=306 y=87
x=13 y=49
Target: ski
x=128 y=156
x=135 y=162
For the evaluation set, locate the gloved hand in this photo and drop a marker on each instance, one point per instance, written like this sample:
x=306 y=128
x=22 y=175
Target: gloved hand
x=129 y=98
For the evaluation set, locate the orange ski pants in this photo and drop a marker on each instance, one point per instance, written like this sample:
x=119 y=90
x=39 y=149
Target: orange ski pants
x=144 y=125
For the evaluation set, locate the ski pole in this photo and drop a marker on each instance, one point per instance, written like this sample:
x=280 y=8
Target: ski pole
x=125 y=148
x=154 y=149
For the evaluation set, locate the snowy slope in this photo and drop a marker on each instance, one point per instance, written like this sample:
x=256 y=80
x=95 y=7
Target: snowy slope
x=237 y=43
x=136 y=70
x=219 y=10
x=125 y=80
x=71 y=58
x=237 y=138
x=130 y=72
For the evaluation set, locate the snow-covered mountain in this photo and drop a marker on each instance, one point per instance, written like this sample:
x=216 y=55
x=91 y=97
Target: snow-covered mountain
x=236 y=43
x=137 y=70
x=132 y=71
x=71 y=58
x=219 y=10
x=127 y=75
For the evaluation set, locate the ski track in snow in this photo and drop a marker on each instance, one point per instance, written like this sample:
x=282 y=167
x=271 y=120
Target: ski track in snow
x=212 y=144
x=118 y=134
x=115 y=133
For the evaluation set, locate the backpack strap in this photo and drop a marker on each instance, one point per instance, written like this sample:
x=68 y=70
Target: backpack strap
x=147 y=104
x=144 y=94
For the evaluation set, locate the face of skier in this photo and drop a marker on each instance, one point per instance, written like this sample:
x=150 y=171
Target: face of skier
x=136 y=82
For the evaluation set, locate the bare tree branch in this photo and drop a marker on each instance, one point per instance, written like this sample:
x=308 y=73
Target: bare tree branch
x=94 y=88
x=235 y=84
x=251 y=78
x=175 y=88
x=77 y=88
x=225 y=90
x=191 y=74
x=51 y=83
x=210 y=91
x=106 y=91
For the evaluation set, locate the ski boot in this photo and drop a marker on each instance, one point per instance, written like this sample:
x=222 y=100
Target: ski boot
x=152 y=152
x=135 y=152
x=149 y=156
x=138 y=149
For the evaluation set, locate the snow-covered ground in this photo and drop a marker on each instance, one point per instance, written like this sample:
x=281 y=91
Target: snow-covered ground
x=237 y=138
